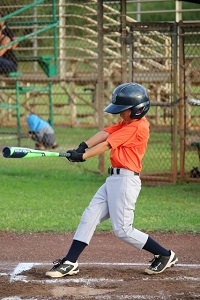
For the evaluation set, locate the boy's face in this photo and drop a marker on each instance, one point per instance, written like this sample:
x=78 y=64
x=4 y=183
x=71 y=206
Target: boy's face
x=125 y=115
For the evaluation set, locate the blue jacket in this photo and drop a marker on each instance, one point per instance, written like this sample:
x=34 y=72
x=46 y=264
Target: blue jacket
x=35 y=123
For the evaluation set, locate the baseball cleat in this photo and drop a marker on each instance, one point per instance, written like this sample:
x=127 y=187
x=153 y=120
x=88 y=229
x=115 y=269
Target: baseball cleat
x=62 y=268
x=160 y=263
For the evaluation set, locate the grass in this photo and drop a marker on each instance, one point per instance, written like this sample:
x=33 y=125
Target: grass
x=49 y=195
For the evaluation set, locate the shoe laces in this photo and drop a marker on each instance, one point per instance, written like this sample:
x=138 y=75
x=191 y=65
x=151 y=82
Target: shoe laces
x=58 y=262
x=154 y=261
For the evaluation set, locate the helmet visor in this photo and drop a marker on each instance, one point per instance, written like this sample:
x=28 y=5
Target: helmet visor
x=116 y=109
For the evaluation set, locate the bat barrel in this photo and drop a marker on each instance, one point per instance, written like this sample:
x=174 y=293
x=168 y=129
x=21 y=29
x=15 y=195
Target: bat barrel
x=20 y=152
x=15 y=152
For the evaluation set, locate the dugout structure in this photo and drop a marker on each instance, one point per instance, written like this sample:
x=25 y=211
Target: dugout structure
x=18 y=88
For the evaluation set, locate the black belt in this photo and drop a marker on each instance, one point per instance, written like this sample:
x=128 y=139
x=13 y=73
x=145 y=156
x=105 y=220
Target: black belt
x=111 y=171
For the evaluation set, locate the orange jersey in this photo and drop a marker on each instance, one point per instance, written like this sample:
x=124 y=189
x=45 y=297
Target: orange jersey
x=128 y=143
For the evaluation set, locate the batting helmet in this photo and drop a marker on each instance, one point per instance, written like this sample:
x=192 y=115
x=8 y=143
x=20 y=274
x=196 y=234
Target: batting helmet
x=129 y=95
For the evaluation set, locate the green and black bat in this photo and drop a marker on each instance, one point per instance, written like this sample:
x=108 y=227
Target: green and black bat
x=20 y=152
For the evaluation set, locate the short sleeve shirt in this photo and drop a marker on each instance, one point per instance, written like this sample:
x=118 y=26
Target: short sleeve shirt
x=128 y=143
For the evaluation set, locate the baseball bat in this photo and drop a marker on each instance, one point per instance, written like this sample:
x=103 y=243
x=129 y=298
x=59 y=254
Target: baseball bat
x=20 y=152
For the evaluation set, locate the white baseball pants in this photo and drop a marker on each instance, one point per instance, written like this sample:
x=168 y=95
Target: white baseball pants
x=116 y=200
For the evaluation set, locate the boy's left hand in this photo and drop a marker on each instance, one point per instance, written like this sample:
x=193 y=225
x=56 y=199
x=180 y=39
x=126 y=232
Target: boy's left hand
x=75 y=156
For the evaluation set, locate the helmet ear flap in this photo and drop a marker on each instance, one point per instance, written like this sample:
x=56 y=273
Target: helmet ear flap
x=138 y=111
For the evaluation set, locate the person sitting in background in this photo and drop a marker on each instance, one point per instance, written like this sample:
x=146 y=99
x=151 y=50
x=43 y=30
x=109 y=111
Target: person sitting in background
x=8 y=60
x=41 y=132
x=8 y=31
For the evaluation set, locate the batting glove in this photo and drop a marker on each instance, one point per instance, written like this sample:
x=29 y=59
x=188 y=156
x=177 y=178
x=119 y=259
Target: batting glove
x=81 y=148
x=75 y=156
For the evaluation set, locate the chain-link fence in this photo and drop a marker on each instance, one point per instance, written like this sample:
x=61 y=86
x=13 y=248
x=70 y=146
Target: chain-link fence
x=165 y=58
x=29 y=59
x=190 y=98
x=71 y=56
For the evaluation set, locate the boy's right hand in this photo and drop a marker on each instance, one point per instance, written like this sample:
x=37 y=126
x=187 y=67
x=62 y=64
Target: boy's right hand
x=75 y=156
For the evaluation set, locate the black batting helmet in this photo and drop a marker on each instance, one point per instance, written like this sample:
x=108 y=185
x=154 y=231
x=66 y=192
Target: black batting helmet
x=129 y=95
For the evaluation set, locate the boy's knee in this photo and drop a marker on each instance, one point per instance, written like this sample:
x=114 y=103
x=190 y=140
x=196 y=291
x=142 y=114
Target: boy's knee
x=121 y=233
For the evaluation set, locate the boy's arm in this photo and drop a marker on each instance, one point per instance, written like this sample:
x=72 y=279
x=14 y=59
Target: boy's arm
x=96 y=150
x=4 y=41
x=96 y=145
x=97 y=138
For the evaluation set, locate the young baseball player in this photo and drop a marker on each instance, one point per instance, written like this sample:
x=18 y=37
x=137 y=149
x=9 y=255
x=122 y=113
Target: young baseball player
x=116 y=198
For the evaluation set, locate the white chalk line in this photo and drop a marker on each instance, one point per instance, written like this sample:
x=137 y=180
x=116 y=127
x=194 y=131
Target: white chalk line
x=27 y=266
x=15 y=275
x=101 y=264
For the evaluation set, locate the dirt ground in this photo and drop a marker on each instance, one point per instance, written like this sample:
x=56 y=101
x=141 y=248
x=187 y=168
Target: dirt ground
x=109 y=269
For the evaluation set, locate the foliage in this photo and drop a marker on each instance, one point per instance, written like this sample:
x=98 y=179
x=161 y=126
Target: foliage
x=163 y=11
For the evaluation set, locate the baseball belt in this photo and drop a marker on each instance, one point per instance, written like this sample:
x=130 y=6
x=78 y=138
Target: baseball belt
x=118 y=171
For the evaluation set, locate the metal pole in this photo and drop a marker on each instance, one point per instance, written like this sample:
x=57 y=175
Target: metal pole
x=182 y=101
x=18 y=113
x=62 y=41
x=35 y=38
x=178 y=11
x=55 y=40
x=123 y=41
x=51 y=116
x=100 y=80
x=130 y=42
x=174 y=98
x=138 y=11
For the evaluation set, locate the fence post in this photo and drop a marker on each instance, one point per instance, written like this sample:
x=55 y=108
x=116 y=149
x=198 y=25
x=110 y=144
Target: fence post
x=123 y=41
x=182 y=101
x=100 y=80
x=174 y=98
x=62 y=41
